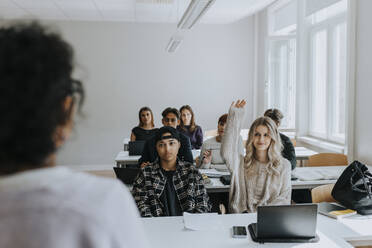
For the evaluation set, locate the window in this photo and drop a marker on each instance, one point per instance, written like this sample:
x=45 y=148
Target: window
x=282 y=79
x=327 y=75
x=281 y=67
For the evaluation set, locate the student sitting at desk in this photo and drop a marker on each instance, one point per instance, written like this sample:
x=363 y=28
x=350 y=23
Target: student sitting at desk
x=43 y=205
x=171 y=118
x=288 y=148
x=211 y=149
x=261 y=176
x=169 y=187
x=189 y=128
x=146 y=128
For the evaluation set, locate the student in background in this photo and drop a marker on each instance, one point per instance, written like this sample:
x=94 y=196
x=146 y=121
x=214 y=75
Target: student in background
x=146 y=128
x=288 y=148
x=44 y=205
x=261 y=176
x=171 y=118
x=211 y=149
x=189 y=128
x=169 y=187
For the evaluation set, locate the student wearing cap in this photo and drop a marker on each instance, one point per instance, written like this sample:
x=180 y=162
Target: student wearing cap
x=169 y=186
x=171 y=118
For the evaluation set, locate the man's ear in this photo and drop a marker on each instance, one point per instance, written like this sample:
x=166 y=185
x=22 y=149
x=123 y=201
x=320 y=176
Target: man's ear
x=163 y=121
x=63 y=131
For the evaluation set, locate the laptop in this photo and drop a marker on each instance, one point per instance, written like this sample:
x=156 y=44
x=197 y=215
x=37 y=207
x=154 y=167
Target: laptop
x=126 y=175
x=136 y=147
x=285 y=224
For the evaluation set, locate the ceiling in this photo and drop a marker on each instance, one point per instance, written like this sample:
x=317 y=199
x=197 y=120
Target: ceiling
x=158 y=11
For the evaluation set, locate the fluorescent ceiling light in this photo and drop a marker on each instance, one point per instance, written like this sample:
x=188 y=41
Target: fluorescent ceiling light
x=193 y=13
x=174 y=43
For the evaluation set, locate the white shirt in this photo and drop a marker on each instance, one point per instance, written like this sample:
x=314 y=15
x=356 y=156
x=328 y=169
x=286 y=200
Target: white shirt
x=58 y=208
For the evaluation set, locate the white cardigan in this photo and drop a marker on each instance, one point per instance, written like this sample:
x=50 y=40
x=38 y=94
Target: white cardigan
x=274 y=184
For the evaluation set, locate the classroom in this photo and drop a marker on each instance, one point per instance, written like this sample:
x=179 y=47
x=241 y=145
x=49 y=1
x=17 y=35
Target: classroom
x=255 y=113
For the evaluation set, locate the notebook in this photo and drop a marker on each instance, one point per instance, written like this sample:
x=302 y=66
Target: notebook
x=334 y=211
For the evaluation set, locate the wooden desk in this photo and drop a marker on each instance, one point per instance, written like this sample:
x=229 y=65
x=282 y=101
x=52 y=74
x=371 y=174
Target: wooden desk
x=164 y=232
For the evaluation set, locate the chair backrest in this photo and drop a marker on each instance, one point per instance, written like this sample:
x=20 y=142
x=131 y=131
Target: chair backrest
x=322 y=193
x=211 y=133
x=327 y=159
x=293 y=142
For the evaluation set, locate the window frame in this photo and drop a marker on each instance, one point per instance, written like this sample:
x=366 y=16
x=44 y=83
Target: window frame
x=329 y=26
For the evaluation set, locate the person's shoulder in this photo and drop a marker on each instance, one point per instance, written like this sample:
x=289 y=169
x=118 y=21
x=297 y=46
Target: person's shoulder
x=209 y=141
x=136 y=129
x=185 y=165
x=183 y=136
x=284 y=137
x=285 y=164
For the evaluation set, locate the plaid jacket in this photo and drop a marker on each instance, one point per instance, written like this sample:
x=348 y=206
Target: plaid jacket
x=188 y=183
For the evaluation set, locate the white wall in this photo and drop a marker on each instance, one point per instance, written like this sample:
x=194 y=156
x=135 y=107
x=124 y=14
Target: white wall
x=125 y=67
x=363 y=113
x=261 y=77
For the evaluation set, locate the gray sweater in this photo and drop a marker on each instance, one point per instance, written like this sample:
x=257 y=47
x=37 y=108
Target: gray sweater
x=260 y=184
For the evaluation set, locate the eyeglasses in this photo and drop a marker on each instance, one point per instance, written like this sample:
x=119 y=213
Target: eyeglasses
x=170 y=119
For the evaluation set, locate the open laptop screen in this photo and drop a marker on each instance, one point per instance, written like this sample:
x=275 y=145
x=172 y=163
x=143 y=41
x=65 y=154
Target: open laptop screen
x=287 y=221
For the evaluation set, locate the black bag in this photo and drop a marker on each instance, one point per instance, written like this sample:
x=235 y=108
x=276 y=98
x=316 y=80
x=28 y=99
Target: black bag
x=353 y=188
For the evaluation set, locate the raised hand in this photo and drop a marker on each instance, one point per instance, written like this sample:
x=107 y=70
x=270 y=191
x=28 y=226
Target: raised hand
x=239 y=103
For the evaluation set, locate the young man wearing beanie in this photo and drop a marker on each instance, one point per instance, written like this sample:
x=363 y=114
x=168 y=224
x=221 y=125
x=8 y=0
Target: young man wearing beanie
x=171 y=118
x=169 y=186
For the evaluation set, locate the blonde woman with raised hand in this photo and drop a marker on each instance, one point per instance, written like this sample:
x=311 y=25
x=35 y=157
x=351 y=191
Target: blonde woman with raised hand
x=261 y=176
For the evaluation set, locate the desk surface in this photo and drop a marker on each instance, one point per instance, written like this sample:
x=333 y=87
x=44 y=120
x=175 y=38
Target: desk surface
x=303 y=153
x=314 y=177
x=166 y=232
x=123 y=157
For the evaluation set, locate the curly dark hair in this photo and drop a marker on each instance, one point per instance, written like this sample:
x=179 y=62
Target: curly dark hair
x=35 y=78
x=171 y=110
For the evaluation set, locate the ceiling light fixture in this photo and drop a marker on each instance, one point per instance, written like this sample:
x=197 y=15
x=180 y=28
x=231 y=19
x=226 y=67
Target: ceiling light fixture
x=193 y=13
x=174 y=43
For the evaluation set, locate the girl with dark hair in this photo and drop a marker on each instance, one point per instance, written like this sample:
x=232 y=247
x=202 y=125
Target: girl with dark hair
x=211 y=149
x=146 y=128
x=189 y=128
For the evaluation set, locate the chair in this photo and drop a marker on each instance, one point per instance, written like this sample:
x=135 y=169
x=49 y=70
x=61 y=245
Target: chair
x=211 y=133
x=322 y=193
x=327 y=159
x=293 y=142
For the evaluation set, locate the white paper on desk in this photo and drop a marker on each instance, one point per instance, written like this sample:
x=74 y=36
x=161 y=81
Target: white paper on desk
x=201 y=222
x=312 y=174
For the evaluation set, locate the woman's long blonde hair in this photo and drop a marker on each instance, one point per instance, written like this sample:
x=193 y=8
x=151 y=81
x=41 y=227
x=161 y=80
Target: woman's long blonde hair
x=275 y=148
